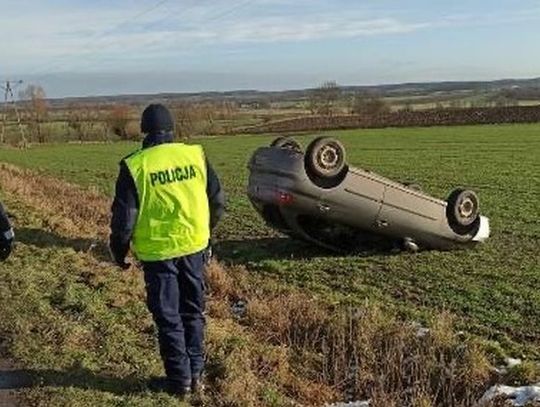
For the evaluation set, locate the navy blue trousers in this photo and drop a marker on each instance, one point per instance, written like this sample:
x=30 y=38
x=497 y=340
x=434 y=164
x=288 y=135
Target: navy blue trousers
x=175 y=297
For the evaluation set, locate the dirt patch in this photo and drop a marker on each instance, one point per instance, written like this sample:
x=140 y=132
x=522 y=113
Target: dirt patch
x=8 y=385
x=12 y=381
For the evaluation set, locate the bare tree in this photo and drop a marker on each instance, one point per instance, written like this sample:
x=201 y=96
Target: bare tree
x=502 y=99
x=206 y=114
x=184 y=121
x=81 y=120
x=368 y=105
x=37 y=109
x=409 y=107
x=197 y=118
x=117 y=121
x=456 y=104
x=323 y=99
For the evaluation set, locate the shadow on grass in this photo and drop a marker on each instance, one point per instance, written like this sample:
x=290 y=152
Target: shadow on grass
x=283 y=248
x=45 y=239
x=266 y=249
x=77 y=377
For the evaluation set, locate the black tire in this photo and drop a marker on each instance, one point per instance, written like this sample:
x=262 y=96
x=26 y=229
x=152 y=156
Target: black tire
x=325 y=159
x=286 y=143
x=463 y=210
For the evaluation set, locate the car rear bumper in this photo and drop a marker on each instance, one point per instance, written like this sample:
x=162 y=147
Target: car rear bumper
x=483 y=231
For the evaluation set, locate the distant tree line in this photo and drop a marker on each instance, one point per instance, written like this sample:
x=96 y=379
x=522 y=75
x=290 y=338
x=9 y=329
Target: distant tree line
x=37 y=120
x=41 y=123
x=328 y=99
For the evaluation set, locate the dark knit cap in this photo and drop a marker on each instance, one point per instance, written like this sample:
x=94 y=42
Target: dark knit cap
x=156 y=118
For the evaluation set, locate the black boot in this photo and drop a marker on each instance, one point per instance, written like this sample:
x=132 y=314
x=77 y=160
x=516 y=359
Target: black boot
x=178 y=389
x=172 y=387
x=197 y=385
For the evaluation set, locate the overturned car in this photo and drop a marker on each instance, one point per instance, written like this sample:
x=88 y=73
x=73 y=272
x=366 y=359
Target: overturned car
x=317 y=197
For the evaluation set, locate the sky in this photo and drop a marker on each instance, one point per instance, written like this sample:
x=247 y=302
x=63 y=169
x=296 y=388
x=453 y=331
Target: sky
x=103 y=47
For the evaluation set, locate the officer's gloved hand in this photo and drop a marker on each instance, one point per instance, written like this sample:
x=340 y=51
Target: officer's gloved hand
x=123 y=264
x=209 y=254
x=6 y=244
x=120 y=262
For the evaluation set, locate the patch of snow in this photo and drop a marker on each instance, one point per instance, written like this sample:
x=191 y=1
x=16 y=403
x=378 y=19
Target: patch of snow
x=517 y=396
x=500 y=370
x=421 y=331
x=510 y=362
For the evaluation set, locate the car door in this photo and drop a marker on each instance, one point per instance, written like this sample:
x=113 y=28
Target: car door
x=409 y=213
x=356 y=201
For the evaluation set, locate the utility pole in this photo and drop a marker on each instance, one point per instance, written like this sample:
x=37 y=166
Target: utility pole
x=9 y=98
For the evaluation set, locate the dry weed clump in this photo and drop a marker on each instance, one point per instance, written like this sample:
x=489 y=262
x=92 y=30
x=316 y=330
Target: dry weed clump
x=233 y=373
x=245 y=371
x=226 y=284
x=523 y=374
x=372 y=355
x=360 y=353
x=292 y=319
x=77 y=211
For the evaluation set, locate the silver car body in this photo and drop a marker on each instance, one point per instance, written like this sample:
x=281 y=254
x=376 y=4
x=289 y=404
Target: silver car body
x=364 y=202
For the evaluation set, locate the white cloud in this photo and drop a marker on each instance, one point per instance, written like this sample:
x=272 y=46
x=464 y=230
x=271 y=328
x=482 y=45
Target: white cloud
x=63 y=35
x=72 y=38
x=272 y=30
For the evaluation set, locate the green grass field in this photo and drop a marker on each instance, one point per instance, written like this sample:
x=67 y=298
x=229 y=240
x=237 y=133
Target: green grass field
x=492 y=290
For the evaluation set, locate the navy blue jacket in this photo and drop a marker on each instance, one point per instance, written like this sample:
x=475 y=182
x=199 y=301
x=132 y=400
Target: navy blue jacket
x=4 y=221
x=125 y=206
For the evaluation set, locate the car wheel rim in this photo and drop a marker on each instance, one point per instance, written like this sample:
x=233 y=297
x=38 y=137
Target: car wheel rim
x=328 y=157
x=467 y=208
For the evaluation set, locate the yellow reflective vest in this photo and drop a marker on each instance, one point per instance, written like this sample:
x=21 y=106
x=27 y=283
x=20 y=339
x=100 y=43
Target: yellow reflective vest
x=174 y=215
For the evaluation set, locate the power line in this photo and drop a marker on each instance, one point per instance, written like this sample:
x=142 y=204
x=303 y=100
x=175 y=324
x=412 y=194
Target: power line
x=100 y=36
x=169 y=17
x=183 y=12
x=219 y=16
x=232 y=10
x=202 y=22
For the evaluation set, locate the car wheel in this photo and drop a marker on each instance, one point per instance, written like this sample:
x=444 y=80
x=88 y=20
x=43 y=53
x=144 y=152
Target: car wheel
x=463 y=209
x=325 y=158
x=286 y=143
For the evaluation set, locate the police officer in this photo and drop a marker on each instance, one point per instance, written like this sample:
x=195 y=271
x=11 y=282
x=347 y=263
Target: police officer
x=6 y=235
x=168 y=199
